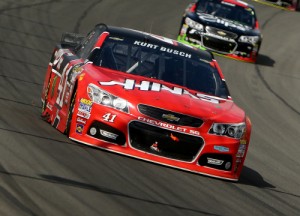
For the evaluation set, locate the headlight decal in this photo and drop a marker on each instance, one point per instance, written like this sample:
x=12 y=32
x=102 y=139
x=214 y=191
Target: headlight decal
x=99 y=96
x=194 y=24
x=230 y=130
x=249 y=39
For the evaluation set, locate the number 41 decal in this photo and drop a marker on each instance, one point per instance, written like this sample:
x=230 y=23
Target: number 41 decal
x=109 y=117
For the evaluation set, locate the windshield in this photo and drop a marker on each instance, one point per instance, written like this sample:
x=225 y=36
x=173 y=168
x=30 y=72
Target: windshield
x=245 y=16
x=167 y=63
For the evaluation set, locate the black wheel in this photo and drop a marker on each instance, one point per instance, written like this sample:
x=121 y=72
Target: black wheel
x=44 y=114
x=44 y=104
x=70 y=113
x=298 y=5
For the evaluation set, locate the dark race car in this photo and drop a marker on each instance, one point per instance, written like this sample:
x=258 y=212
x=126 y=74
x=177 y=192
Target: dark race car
x=225 y=27
x=293 y=5
x=148 y=97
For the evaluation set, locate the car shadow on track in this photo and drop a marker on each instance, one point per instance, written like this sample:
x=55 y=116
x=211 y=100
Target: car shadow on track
x=264 y=60
x=253 y=178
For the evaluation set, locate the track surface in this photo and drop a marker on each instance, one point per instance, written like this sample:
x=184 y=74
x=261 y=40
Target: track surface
x=44 y=173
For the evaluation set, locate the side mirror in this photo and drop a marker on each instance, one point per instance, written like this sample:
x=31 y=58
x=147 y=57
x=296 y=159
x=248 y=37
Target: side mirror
x=71 y=39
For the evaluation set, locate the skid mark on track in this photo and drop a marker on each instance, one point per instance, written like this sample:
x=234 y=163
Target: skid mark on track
x=266 y=84
x=264 y=81
x=84 y=14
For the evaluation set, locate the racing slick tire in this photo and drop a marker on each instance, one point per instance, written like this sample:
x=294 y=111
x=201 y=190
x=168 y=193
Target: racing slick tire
x=298 y=5
x=70 y=112
x=44 y=114
x=44 y=103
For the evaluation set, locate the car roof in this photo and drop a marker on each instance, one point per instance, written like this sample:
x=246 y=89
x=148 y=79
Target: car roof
x=238 y=3
x=160 y=40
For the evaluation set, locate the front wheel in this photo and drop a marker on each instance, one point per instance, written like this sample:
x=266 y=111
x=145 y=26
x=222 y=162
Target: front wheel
x=45 y=113
x=70 y=113
x=298 y=5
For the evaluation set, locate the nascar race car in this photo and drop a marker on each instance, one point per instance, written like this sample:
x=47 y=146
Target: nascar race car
x=293 y=5
x=225 y=27
x=148 y=97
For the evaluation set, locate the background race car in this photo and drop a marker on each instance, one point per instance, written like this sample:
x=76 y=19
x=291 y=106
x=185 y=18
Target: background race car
x=293 y=5
x=226 y=27
x=148 y=97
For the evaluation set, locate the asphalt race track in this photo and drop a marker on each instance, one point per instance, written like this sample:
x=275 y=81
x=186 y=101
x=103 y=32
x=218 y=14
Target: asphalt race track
x=44 y=173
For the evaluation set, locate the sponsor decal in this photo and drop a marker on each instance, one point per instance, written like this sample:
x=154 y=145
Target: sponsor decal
x=130 y=84
x=83 y=114
x=116 y=38
x=81 y=120
x=109 y=134
x=163 y=49
x=154 y=147
x=81 y=76
x=168 y=126
x=221 y=148
x=243 y=142
x=79 y=128
x=174 y=138
x=86 y=101
x=214 y=161
x=241 y=151
x=225 y=22
x=85 y=105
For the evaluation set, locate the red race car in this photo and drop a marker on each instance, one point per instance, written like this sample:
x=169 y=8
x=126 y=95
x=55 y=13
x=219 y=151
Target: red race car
x=148 y=97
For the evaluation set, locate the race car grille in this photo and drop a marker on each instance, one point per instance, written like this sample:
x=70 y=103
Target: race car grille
x=107 y=133
x=163 y=142
x=216 y=161
x=169 y=116
x=221 y=32
x=216 y=44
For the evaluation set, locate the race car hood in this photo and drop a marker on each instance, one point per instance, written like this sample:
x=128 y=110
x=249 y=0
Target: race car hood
x=142 y=90
x=221 y=23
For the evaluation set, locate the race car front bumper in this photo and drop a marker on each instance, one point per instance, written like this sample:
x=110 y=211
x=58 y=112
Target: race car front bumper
x=219 y=45
x=131 y=136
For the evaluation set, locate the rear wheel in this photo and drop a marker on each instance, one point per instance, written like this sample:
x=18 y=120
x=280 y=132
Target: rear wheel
x=70 y=113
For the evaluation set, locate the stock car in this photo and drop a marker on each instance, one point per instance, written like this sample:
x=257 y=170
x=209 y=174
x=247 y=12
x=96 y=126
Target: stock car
x=293 y=5
x=226 y=27
x=148 y=97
